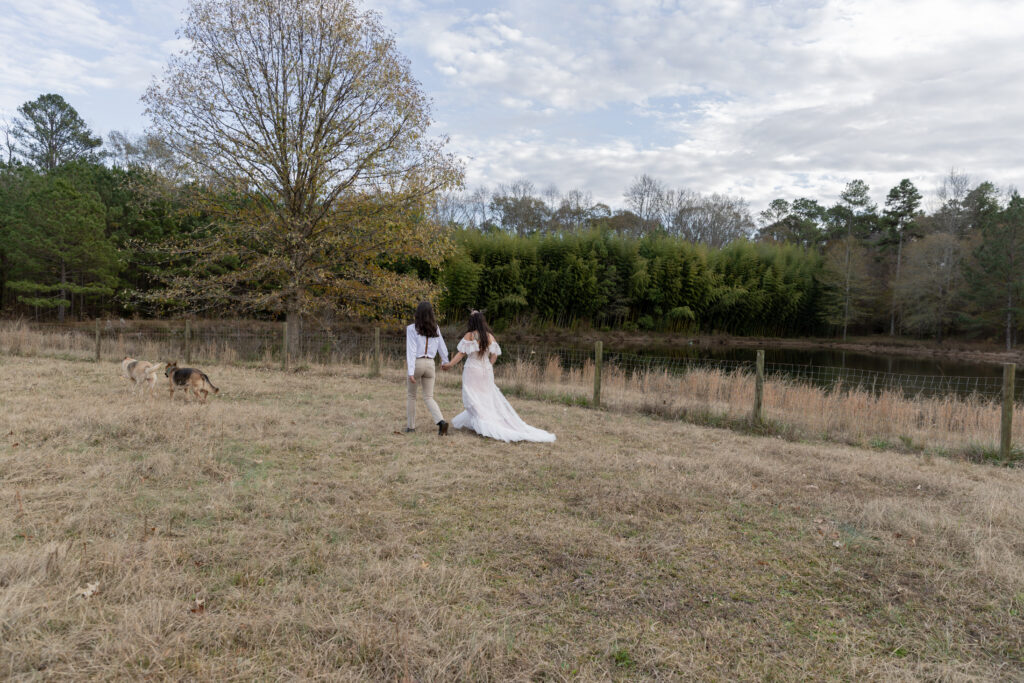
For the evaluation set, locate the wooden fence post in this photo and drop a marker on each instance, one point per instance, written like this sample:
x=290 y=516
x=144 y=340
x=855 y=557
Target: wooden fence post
x=188 y=341
x=598 y=361
x=97 y=341
x=285 y=351
x=759 y=389
x=1006 y=425
x=375 y=361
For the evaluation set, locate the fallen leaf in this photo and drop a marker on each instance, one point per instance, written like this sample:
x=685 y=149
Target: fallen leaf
x=90 y=590
x=14 y=445
x=819 y=521
x=198 y=607
x=424 y=564
x=837 y=544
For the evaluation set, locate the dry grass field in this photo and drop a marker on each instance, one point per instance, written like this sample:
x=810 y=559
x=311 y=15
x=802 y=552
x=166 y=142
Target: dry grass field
x=959 y=426
x=287 y=529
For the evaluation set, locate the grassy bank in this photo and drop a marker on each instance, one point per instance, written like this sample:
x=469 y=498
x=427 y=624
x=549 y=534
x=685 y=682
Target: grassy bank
x=286 y=529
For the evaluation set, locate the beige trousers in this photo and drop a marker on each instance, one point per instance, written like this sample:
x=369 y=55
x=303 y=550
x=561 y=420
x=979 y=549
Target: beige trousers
x=425 y=379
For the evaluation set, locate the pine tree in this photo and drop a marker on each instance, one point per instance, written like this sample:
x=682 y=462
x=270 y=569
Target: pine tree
x=901 y=206
x=58 y=237
x=853 y=220
x=48 y=133
x=995 y=274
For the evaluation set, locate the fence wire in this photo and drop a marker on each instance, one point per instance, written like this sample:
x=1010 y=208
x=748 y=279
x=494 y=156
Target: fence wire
x=826 y=377
x=326 y=346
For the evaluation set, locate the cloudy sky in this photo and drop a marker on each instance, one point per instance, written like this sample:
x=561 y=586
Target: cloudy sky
x=755 y=98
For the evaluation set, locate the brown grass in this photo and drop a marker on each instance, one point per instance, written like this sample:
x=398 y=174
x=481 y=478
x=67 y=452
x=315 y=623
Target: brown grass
x=951 y=425
x=323 y=544
x=948 y=425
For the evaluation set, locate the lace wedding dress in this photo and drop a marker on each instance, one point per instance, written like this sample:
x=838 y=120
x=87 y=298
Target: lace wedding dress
x=487 y=412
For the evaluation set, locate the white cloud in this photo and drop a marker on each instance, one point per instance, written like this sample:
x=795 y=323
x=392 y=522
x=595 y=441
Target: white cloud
x=790 y=98
x=99 y=55
x=787 y=98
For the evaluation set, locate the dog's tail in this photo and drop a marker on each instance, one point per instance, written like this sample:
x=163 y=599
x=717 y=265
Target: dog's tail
x=207 y=380
x=152 y=369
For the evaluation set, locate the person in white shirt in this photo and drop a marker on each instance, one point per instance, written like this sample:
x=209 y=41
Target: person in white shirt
x=422 y=342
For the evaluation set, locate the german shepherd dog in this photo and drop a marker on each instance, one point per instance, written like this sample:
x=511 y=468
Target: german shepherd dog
x=140 y=372
x=189 y=380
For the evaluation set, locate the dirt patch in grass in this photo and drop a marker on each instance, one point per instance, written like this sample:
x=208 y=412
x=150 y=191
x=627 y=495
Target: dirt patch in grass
x=286 y=529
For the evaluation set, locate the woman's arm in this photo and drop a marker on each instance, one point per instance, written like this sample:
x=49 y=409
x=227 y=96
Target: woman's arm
x=454 y=361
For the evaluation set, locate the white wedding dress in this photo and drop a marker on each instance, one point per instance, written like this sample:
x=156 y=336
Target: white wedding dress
x=487 y=412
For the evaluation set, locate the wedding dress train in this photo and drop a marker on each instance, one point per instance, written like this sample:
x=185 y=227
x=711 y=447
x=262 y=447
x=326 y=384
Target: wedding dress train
x=487 y=412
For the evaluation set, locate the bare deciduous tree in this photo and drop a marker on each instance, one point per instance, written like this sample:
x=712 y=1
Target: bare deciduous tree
x=307 y=136
x=714 y=220
x=932 y=283
x=951 y=216
x=645 y=197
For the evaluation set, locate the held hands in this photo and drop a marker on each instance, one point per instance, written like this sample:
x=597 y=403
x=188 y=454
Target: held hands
x=446 y=366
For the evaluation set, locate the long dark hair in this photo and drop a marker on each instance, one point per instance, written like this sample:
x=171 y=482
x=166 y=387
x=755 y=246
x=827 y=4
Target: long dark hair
x=426 y=323
x=478 y=324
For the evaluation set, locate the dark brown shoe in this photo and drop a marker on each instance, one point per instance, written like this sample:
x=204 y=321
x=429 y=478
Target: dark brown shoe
x=442 y=428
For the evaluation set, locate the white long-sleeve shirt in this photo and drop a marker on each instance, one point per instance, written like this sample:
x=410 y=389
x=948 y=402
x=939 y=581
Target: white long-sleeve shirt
x=418 y=346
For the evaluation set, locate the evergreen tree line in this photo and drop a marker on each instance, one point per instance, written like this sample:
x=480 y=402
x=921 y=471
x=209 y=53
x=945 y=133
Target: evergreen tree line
x=613 y=281
x=68 y=220
x=78 y=217
x=798 y=268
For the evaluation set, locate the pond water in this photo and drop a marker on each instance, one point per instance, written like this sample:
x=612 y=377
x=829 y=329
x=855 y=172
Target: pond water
x=914 y=376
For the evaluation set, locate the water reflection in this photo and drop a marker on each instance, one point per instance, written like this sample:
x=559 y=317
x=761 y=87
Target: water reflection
x=914 y=376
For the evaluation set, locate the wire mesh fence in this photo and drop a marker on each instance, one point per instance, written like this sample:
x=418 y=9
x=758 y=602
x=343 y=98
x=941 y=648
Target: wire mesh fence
x=825 y=377
x=825 y=399
x=224 y=344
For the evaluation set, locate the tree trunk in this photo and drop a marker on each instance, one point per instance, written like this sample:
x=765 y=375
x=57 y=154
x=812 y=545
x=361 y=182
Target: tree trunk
x=63 y=282
x=1009 y=321
x=293 y=321
x=846 y=298
x=3 y=278
x=895 y=285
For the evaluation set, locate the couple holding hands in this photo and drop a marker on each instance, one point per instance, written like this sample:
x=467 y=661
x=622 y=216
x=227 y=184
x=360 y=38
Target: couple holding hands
x=486 y=411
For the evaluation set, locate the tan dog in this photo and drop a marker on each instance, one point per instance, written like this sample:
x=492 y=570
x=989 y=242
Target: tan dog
x=140 y=372
x=189 y=380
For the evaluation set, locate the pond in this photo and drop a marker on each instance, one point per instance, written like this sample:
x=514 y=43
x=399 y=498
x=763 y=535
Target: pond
x=914 y=376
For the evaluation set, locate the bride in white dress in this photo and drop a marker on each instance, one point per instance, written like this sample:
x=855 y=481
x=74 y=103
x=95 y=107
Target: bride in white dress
x=487 y=412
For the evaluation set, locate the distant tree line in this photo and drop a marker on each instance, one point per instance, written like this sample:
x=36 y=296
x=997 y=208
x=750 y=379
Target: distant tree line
x=614 y=281
x=810 y=268
x=85 y=225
